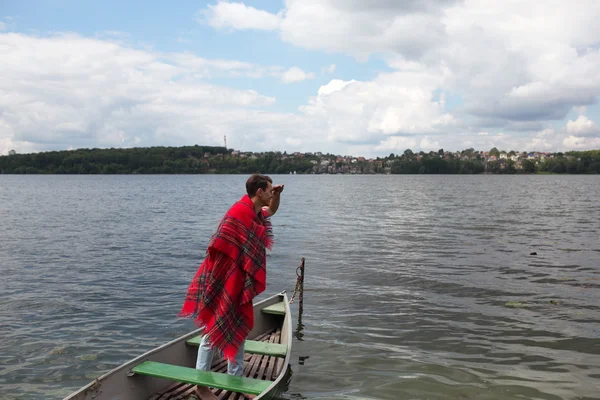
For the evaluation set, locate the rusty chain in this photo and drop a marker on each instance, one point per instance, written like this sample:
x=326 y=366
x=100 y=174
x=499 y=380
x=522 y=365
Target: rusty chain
x=298 y=281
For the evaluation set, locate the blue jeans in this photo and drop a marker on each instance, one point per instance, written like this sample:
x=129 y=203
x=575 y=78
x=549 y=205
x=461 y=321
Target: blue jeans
x=205 y=358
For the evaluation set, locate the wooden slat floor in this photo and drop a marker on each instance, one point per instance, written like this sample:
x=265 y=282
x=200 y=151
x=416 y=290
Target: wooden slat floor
x=255 y=366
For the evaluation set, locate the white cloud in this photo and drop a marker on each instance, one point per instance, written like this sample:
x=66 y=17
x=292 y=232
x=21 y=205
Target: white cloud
x=400 y=143
x=340 y=25
x=548 y=139
x=2 y=26
x=580 y=143
x=395 y=143
x=580 y=134
x=7 y=144
x=239 y=16
x=70 y=90
x=393 y=103
x=202 y=67
x=334 y=85
x=205 y=68
x=542 y=141
x=293 y=141
x=428 y=144
x=520 y=62
x=583 y=126
x=360 y=30
x=295 y=74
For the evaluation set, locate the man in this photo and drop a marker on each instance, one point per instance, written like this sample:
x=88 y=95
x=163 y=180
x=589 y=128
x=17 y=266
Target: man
x=232 y=274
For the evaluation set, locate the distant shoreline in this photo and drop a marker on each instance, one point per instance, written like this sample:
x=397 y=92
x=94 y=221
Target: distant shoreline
x=281 y=173
x=194 y=160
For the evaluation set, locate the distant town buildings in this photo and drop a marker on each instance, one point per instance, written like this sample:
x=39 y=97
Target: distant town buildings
x=337 y=164
x=12 y=152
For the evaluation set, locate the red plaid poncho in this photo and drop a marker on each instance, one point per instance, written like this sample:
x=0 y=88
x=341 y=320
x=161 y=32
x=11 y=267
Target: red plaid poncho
x=232 y=274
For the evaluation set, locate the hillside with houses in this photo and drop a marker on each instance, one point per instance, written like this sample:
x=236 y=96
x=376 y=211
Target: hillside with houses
x=466 y=161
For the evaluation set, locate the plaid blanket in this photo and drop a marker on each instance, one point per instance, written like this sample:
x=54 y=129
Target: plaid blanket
x=232 y=274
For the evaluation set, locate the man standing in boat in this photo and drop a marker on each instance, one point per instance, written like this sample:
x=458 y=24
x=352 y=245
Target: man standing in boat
x=232 y=274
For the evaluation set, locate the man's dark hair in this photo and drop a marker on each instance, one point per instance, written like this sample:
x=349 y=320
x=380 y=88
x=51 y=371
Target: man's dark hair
x=255 y=182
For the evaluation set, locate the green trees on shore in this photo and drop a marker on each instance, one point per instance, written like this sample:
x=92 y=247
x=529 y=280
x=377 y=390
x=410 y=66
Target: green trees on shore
x=208 y=159
x=151 y=160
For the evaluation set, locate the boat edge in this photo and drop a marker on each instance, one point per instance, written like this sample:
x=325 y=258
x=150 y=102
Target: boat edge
x=97 y=381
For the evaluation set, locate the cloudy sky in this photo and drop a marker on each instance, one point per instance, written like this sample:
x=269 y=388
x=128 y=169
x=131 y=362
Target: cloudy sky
x=342 y=76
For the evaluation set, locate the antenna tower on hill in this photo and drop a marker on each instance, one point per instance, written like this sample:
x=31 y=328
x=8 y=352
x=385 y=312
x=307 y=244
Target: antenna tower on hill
x=225 y=140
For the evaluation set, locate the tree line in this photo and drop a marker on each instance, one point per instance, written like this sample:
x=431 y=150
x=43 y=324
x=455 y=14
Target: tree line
x=573 y=162
x=151 y=160
x=214 y=159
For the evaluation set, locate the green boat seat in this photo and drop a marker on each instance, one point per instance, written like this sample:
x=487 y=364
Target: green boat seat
x=277 y=309
x=194 y=376
x=253 y=347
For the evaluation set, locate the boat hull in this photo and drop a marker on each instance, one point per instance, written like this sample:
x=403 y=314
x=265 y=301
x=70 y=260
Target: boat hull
x=121 y=384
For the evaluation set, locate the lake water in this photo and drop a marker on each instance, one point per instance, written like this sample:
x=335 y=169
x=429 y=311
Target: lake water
x=407 y=280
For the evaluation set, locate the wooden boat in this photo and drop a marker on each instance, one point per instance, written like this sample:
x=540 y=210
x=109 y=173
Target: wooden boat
x=168 y=372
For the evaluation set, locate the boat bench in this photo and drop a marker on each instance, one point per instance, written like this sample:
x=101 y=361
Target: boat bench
x=277 y=309
x=256 y=347
x=253 y=347
x=218 y=380
x=194 y=376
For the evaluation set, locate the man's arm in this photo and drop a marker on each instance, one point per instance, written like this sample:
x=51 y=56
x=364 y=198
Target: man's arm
x=274 y=204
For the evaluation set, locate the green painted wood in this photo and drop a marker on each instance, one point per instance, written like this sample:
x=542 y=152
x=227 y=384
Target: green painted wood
x=277 y=308
x=203 y=378
x=253 y=347
x=265 y=348
x=195 y=341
